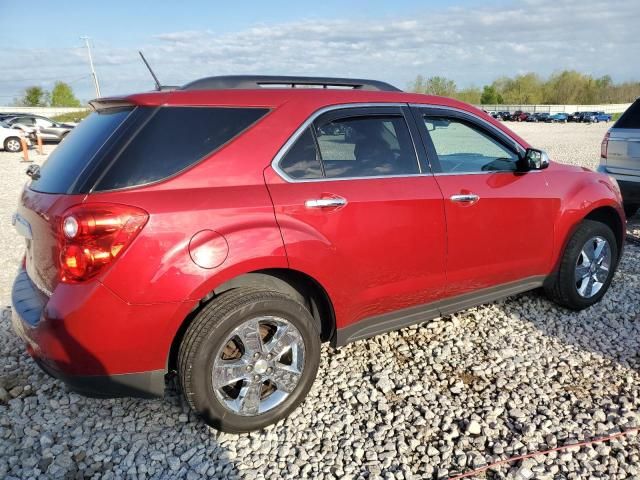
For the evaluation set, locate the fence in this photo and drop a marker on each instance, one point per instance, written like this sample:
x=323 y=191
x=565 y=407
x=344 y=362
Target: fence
x=607 y=108
x=44 y=111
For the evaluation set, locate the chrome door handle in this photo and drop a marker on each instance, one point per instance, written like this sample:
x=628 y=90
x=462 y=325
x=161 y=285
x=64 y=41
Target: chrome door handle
x=465 y=198
x=325 y=202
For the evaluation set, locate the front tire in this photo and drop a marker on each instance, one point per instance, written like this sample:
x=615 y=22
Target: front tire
x=248 y=359
x=12 y=144
x=586 y=267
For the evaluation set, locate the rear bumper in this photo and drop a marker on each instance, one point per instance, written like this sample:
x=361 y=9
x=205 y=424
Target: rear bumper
x=141 y=385
x=88 y=338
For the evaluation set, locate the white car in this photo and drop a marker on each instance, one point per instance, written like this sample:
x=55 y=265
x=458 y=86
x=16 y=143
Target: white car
x=10 y=138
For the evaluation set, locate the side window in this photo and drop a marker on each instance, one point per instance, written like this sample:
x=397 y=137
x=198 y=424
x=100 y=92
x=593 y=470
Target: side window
x=24 y=121
x=464 y=148
x=173 y=139
x=366 y=146
x=301 y=161
x=41 y=122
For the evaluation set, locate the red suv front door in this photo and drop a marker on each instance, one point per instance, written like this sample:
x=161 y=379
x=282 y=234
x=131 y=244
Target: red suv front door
x=359 y=212
x=500 y=221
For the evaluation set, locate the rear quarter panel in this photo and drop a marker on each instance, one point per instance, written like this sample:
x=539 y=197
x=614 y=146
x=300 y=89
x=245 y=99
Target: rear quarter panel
x=224 y=193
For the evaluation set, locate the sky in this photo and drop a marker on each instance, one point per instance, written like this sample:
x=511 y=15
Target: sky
x=471 y=42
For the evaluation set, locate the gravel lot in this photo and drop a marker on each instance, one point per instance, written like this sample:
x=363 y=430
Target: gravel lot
x=514 y=377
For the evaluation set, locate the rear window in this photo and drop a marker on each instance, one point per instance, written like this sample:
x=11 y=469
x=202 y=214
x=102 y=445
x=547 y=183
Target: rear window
x=631 y=117
x=173 y=139
x=125 y=148
x=70 y=158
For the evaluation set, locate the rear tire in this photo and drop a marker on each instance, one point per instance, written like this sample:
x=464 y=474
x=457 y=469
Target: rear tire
x=235 y=373
x=12 y=144
x=630 y=209
x=570 y=286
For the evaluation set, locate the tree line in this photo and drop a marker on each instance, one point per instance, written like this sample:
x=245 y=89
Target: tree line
x=61 y=95
x=562 y=88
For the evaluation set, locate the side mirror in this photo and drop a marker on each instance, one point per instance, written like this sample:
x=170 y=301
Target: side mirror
x=535 y=159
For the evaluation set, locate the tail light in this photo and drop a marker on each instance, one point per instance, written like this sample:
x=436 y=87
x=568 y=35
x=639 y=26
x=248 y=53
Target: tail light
x=92 y=236
x=604 y=146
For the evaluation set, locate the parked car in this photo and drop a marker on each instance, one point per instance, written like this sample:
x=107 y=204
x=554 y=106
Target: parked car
x=595 y=117
x=218 y=232
x=620 y=156
x=520 y=116
x=504 y=116
x=557 y=118
x=598 y=117
x=574 y=117
x=50 y=130
x=10 y=138
x=537 y=117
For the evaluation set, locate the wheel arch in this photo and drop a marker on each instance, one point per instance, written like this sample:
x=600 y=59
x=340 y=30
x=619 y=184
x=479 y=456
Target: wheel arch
x=610 y=217
x=608 y=213
x=293 y=283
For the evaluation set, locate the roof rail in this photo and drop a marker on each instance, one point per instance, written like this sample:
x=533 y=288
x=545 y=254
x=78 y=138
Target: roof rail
x=232 y=82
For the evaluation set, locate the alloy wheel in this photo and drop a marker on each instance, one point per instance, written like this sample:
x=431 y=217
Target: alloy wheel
x=13 y=145
x=593 y=266
x=258 y=366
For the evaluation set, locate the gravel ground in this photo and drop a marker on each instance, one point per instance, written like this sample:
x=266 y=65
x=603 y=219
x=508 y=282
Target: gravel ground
x=514 y=377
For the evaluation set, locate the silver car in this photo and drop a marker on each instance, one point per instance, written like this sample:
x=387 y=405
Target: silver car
x=50 y=130
x=620 y=156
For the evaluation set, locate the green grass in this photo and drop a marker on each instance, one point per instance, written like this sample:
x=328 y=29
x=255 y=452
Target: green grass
x=615 y=116
x=71 y=117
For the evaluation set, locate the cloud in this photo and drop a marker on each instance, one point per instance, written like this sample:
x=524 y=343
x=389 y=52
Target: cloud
x=472 y=45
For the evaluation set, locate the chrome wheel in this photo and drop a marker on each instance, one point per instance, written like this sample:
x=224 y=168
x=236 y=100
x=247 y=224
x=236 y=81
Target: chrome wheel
x=593 y=266
x=259 y=364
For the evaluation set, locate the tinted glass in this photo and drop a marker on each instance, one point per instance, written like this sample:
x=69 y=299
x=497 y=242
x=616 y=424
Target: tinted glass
x=69 y=159
x=301 y=161
x=464 y=148
x=173 y=139
x=631 y=117
x=366 y=147
x=24 y=121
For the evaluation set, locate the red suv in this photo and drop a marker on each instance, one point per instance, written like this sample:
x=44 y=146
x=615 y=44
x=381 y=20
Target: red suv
x=224 y=230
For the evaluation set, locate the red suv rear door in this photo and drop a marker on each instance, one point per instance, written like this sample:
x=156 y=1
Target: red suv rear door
x=500 y=221
x=360 y=212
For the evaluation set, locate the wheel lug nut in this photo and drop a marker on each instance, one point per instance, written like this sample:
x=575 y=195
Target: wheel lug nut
x=248 y=368
x=256 y=355
x=269 y=370
x=256 y=377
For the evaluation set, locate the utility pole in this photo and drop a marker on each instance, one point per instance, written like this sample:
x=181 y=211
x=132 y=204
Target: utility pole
x=93 y=70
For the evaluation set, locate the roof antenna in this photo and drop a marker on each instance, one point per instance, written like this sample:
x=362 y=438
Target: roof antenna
x=155 y=79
